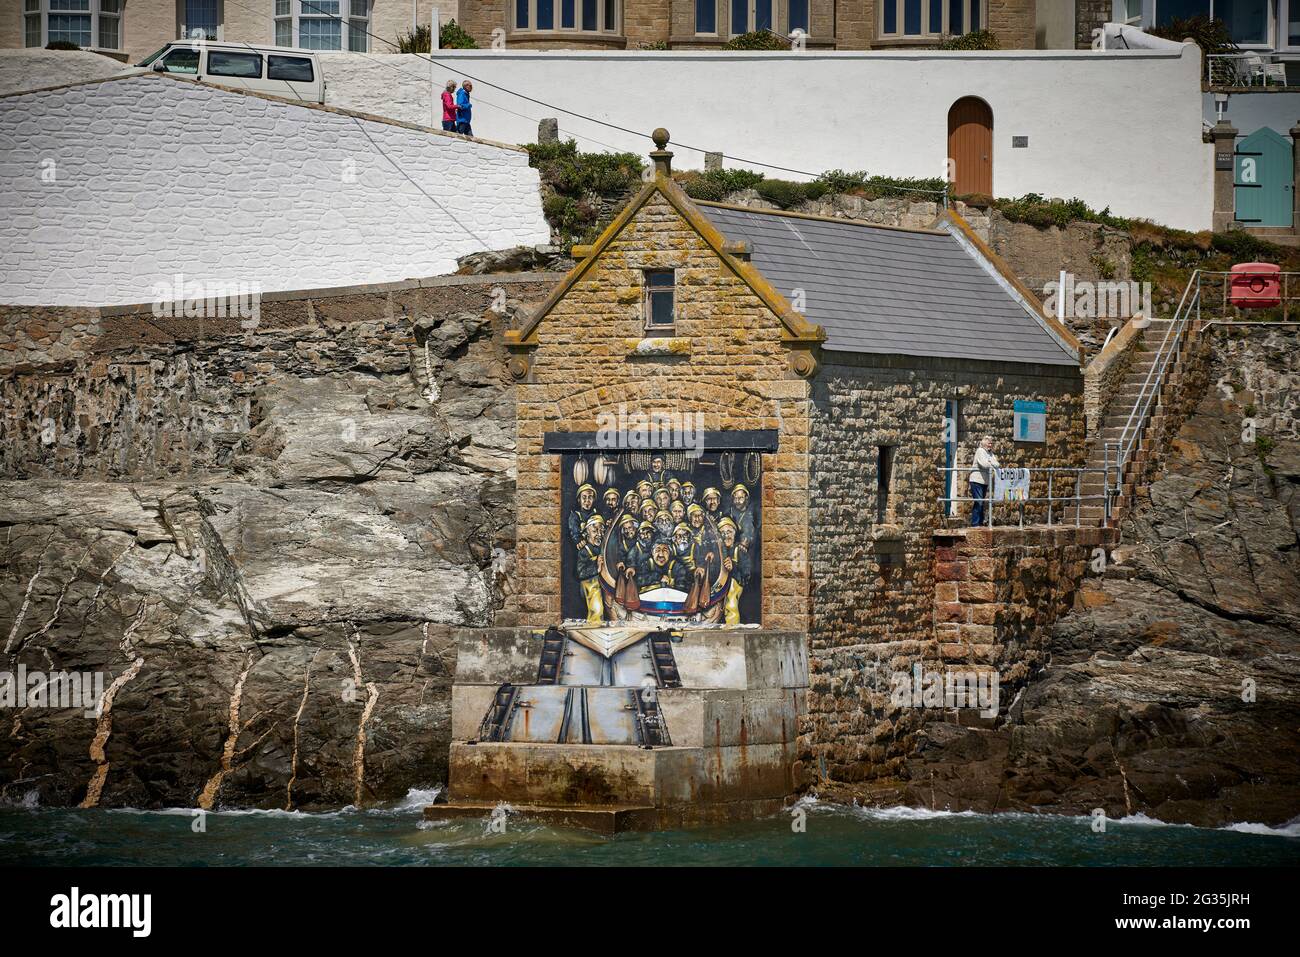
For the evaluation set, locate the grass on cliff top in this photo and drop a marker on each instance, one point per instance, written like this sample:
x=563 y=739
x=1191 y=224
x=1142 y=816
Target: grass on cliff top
x=582 y=191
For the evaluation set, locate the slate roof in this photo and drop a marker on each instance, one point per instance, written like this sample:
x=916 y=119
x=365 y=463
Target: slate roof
x=897 y=291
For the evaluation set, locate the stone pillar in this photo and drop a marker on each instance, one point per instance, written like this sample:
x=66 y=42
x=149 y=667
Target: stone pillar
x=712 y=161
x=1224 y=136
x=1295 y=176
x=548 y=130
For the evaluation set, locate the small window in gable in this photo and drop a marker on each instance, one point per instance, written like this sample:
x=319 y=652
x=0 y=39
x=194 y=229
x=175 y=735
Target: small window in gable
x=660 y=301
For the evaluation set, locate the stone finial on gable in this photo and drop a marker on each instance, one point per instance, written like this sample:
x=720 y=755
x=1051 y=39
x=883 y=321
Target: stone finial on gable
x=661 y=155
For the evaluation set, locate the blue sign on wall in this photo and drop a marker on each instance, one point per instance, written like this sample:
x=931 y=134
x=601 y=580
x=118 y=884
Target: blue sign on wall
x=1030 y=421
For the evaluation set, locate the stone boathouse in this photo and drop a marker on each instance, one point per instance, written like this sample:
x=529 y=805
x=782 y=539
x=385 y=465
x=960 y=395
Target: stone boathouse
x=732 y=431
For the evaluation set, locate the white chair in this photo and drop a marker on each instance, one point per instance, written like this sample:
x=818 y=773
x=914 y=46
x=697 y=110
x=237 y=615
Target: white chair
x=1253 y=67
x=1275 y=73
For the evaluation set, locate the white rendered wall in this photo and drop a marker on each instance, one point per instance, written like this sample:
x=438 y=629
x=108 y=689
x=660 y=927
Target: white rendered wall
x=1115 y=128
x=36 y=69
x=156 y=176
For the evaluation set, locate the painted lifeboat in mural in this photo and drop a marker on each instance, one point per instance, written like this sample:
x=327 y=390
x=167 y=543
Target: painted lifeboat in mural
x=660 y=602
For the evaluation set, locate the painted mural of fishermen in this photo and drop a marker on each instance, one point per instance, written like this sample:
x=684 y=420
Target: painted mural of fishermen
x=688 y=494
x=645 y=490
x=609 y=504
x=683 y=545
x=649 y=510
x=666 y=571
x=581 y=512
x=663 y=525
x=742 y=514
x=678 y=511
x=631 y=503
x=735 y=561
x=645 y=543
x=662 y=499
x=713 y=504
x=684 y=552
x=701 y=539
x=674 y=489
x=625 y=555
x=658 y=475
x=587 y=568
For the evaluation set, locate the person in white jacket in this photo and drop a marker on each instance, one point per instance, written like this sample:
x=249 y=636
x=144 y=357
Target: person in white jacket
x=980 y=478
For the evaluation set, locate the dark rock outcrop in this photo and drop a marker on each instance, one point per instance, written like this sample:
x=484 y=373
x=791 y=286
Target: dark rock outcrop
x=1173 y=689
x=269 y=610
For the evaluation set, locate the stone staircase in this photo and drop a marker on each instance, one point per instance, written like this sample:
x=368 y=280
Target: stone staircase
x=1111 y=430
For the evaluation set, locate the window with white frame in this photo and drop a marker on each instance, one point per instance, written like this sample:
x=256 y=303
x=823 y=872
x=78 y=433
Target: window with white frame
x=1247 y=20
x=567 y=16
x=199 y=19
x=797 y=13
x=90 y=24
x=749 y=16
x=930 y=18
x=323 y=24
x=706 y=17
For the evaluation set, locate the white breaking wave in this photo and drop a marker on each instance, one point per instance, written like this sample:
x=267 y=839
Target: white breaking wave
x=1290 y=829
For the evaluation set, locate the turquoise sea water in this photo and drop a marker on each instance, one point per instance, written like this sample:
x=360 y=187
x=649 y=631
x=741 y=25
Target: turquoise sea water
x=835 y=835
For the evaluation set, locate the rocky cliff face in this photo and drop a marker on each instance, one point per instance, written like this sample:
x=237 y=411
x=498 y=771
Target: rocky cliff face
x=260 y=542
x=1173 y=689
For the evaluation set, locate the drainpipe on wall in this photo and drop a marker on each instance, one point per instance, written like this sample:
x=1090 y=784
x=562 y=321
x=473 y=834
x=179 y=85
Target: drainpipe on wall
x=1295 y=176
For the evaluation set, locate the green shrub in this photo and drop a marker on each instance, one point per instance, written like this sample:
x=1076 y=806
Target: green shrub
x=419 y=40
x=572 y=173
x=61 y=45
x=782 y=192
x=716 y=184
x=1212 y=36
x=874 y=187
x=1037 y=211
x=757 y=40
x=978 y=40
x=452 y=36
x=1243 y=247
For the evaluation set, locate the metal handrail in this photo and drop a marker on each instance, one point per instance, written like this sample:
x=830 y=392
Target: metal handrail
x=1154 y=382
x=1246 y=69
x=1077 y=498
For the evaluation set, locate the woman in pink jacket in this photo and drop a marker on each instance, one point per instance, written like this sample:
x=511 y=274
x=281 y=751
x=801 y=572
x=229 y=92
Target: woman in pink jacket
x=449 y=107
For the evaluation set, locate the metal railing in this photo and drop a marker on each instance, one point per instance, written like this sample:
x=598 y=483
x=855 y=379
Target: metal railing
x=1148 y=397
x=1216 y=294
x=955 y=477
x=1245 y=70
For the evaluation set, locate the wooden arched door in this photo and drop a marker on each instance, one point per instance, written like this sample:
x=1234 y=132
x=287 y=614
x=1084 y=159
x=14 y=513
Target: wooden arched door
x=970 y=146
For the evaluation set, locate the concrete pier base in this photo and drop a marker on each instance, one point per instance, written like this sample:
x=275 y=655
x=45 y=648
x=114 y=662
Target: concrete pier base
x=718 y=744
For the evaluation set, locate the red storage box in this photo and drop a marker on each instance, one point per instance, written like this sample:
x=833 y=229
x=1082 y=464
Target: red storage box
x=1256 y=285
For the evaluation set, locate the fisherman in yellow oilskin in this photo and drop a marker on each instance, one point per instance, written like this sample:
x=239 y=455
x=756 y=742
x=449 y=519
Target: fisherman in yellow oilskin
x=736 y=562
x=585 y=508
x=588 y=568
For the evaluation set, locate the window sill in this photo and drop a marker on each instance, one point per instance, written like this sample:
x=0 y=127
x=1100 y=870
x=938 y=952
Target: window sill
x=574 y=37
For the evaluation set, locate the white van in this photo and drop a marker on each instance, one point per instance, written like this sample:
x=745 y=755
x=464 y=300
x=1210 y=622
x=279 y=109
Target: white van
x=282 y=71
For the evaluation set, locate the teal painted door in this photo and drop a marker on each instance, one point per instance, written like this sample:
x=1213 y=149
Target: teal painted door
x=1263 y=179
